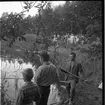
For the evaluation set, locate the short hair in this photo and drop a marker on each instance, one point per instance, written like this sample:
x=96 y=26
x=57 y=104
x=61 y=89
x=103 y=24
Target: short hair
x=45 y=56
x=72 y=53
x=28 y=74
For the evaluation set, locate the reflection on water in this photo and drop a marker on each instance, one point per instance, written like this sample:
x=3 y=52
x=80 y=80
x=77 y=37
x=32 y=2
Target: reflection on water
x=13 y=70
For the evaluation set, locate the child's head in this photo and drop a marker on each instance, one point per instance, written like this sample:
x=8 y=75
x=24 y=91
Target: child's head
x=28 y=74
x=44 y=56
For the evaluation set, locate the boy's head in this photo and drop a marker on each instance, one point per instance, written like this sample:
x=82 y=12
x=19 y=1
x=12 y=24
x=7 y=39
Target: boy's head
x=44 y=56
x=28 y=74
x=72 y=56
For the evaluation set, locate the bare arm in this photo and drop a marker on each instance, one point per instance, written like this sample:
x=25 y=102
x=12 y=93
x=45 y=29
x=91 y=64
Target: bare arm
x=81 y=72
x=58 y=80
x=37 y=75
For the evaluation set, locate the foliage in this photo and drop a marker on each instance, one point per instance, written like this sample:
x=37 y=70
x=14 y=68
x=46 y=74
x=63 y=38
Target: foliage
x=5 y=99
x=52 y=29
x=10 y=28
x=78 y=18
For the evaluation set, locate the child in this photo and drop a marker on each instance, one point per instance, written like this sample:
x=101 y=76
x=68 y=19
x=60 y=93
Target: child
x=29 y=92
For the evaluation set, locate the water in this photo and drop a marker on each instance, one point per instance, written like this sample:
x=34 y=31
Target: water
x=13 y=70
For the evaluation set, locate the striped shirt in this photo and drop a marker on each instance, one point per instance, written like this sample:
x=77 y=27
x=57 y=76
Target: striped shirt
x=46 y=75
x=28 y=93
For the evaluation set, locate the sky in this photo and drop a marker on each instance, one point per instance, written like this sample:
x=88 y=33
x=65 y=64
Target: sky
x=16 y=6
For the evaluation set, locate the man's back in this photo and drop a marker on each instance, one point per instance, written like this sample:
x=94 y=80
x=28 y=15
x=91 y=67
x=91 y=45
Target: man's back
x=46 y=75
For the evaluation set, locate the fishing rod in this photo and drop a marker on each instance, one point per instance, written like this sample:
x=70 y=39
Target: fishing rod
x=65 y=71
x=36 y=52
x=69 y=73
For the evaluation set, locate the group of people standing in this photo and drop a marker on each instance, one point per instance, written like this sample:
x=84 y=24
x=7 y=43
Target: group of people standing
x=46 y=75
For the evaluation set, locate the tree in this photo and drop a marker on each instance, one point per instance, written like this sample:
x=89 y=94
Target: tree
x=10 y=27
x=93 y=26
x=79 y=18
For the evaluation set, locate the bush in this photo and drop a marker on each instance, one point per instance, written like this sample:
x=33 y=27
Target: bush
x=4 y=88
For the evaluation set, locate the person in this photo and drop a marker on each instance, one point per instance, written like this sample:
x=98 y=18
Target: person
x=29 y=92
x=76 y=69
x=45 y=76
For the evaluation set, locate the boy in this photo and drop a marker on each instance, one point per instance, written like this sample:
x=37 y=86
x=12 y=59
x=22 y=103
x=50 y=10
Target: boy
x=29 y=92
x=76 y=69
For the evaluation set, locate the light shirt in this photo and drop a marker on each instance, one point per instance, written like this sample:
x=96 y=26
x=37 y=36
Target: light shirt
x=46 y=75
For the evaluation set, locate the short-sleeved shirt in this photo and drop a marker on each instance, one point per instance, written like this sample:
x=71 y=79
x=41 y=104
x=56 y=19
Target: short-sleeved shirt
x=28 y=94
x=46 y=75
x=74 y=68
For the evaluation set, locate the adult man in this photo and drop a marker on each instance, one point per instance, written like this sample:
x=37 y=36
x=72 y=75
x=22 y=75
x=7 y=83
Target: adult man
x=29 y=92
x=46 y=75
x=74 y=68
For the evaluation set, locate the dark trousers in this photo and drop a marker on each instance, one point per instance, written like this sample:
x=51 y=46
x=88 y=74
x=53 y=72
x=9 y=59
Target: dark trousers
x=45 y=91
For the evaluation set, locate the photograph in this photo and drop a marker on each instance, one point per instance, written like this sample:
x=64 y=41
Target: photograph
x=51 y=52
